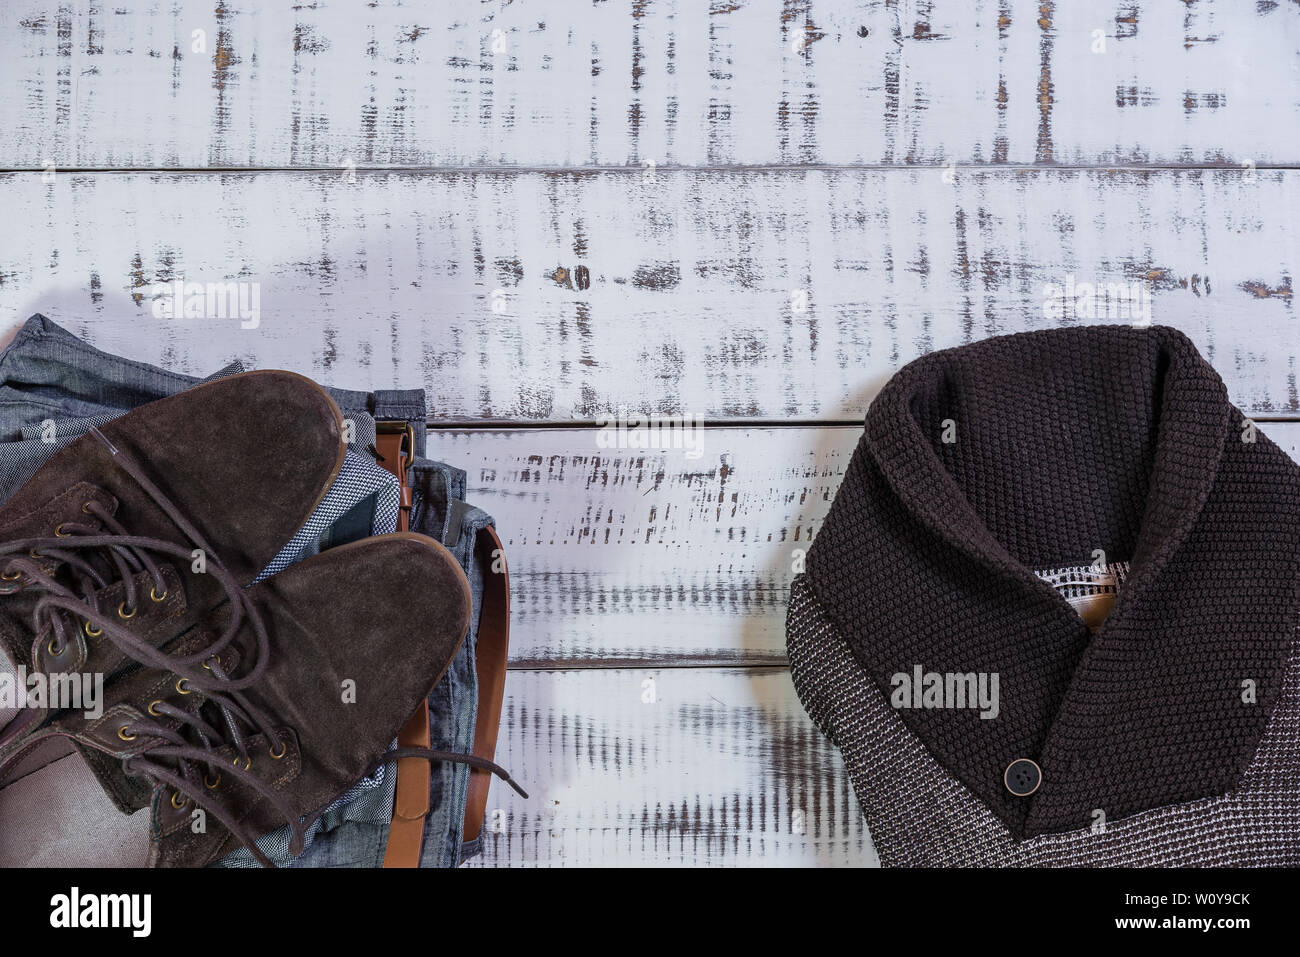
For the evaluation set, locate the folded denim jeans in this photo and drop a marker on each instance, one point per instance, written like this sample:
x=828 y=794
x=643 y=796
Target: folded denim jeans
x=54 y=387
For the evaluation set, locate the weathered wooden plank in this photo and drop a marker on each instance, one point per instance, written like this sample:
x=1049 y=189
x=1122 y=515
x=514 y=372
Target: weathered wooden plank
x=647 y=555
x=631 y=555
x=198 y=84
x=676 y=767
x=727 y=294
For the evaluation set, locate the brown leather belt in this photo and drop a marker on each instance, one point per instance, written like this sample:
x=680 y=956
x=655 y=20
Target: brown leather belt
x=396 y=443
x=490 y=653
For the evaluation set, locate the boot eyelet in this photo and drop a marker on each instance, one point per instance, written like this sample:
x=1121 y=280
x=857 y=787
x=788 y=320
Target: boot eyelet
x=248 y=763
x=34 y=553
x=284 y=749
x=85 y=507
x=184 y=801
x=152 y=705
x=10 y=578
x=153 y=593
x=60 y=533
x=124 y=733
x=211 y=784
x=183 y=686
x=121 y=611
x=53 y=653
x=92 y=631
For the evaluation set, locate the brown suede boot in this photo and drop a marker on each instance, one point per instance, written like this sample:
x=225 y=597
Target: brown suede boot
x=137 y=531
x=293 y=693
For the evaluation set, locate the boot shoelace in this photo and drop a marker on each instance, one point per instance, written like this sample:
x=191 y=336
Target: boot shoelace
x=192 y=770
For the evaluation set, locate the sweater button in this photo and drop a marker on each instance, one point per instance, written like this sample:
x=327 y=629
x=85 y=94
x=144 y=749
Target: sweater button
x=1022 y=777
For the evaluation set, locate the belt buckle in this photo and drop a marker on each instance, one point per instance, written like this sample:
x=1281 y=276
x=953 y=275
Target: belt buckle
x=392 y=426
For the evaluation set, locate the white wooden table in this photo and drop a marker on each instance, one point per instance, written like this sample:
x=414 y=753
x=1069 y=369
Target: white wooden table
x=752 y=211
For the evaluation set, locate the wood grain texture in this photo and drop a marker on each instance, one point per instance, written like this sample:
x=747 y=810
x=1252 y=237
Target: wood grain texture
x=630 y=556
x=726 y=294
x=673 y=82
x=678 y=767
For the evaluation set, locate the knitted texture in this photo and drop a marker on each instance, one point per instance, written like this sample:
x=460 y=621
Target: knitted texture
x=919 y=815
x=1034 y=451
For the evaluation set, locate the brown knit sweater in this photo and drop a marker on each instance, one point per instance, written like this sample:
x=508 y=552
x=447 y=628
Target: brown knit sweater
x=979 y=469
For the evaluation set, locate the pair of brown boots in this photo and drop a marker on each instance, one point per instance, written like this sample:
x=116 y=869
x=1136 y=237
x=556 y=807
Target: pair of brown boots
x=230 y=709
